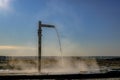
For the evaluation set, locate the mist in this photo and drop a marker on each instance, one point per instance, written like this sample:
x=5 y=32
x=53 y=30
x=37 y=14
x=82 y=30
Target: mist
x=52 y=65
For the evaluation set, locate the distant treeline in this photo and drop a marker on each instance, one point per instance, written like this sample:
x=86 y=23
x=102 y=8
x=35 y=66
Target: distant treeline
x=2 y=58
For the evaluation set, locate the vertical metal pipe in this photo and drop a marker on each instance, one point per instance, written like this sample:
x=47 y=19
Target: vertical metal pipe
x=40 y=25
x=39 y=45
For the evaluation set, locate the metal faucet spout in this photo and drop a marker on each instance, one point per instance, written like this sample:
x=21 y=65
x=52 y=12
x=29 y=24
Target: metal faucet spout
x=46 y=25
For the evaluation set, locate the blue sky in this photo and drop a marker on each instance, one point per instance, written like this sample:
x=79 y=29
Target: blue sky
x=86 y=27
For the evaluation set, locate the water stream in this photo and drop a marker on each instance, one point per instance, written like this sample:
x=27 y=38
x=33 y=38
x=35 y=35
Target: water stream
x=59 y=45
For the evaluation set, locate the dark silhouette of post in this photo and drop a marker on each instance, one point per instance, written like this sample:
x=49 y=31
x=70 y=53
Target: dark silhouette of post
x=40 y=25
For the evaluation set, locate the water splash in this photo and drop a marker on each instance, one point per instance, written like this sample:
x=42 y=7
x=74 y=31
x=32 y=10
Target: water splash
x=52 y=65
x=71 y=65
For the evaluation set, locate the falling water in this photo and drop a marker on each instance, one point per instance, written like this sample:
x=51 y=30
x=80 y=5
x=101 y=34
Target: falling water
x=59 y=44
x=59 y=40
